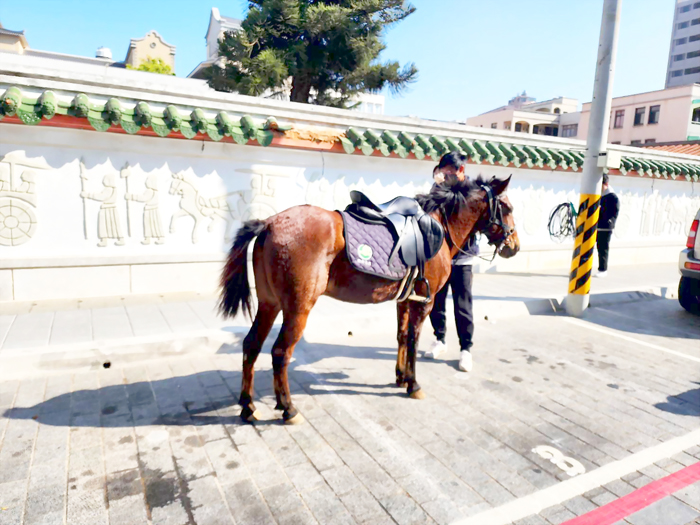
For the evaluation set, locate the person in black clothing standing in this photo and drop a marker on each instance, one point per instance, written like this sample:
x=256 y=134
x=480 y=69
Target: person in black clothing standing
x=609 y=210
x=452 y=165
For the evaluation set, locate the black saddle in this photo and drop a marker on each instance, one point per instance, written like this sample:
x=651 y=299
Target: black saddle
x=417 y=236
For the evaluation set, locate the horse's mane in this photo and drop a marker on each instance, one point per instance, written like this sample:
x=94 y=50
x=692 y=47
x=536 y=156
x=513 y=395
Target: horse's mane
x=451 y=195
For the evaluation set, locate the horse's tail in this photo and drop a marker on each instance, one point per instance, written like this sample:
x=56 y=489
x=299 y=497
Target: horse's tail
x=235 y=291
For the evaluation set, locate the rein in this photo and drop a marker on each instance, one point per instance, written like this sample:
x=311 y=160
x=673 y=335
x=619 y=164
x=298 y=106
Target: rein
x=495 y=218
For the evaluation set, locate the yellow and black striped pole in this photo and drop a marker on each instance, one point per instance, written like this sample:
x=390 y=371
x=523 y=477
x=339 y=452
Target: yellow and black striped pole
x=595 y=161
x=584 y=244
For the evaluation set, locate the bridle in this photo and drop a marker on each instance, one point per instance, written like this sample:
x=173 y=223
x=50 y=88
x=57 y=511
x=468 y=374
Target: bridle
x=495 y=218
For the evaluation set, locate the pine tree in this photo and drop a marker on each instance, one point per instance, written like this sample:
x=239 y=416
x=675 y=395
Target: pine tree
x=326 y=51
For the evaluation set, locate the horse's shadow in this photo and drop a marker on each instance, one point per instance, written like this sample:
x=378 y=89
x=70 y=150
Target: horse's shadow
x=203 y=398
x=684 y=404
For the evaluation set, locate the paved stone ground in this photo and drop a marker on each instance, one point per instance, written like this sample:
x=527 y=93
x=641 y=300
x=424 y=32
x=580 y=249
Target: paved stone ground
x=61 y=322
x=161 y=442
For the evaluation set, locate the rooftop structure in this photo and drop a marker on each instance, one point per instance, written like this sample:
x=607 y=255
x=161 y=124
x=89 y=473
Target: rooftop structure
x=524 y=114
x=151 y=46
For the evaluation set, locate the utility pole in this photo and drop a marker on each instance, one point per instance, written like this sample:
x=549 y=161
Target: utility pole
x=595 y=161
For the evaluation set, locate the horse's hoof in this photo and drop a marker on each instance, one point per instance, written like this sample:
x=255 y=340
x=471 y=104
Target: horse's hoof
x=401 y=383
x=296 y=420
x=417 y=394
x=251 y=417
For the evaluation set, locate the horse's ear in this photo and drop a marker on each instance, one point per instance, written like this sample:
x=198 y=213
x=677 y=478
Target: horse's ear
x=500 y=186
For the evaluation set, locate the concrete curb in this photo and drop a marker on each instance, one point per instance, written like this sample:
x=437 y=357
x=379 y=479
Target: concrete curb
x=94 y=355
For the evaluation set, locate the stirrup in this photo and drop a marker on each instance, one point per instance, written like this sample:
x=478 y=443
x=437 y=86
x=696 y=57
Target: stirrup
x=420 y=298
x=406 y=286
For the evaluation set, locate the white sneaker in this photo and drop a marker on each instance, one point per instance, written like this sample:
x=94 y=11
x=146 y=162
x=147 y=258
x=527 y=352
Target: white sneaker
x=465 y=361
x=436 y=350
x=601 y=275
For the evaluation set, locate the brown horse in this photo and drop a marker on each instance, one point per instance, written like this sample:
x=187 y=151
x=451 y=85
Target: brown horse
x=299 y=255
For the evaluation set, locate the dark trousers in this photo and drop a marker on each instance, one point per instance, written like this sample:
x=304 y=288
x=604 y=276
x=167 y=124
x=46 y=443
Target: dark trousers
x=461 y=284
x=603 y=245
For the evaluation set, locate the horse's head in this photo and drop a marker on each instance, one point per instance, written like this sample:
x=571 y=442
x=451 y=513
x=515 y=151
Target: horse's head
x=468 y=206
x=175 y=186
x=498 y=223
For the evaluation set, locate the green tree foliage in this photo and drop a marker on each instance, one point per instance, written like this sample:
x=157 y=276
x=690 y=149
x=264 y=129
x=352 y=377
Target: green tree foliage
x=153 y=65
x=325 y=51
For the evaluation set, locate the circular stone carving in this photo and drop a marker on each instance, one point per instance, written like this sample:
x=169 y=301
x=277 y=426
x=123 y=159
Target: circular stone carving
x=17 y=222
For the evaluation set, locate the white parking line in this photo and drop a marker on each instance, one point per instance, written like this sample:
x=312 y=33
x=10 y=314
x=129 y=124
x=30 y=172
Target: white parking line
x=537 y=502
x=589 y=326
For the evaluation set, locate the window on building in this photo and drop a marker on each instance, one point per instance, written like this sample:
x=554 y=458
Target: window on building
x=677 y=73
x=696 y=5
x=654 y=114
x=692 y=70
x=506 y=125
x=619 y=118
x=682 y=25
x=650 y=141
x=693 y=54
x=639 y=116
x=636 y=143
x=677 y=58
x=616 y=142
x=680 y=41
x=696 y=115
x=569 y=130
x=695 y=22
x=494 y=125
x=557 y=110
x=693 y=38
x=684 y=9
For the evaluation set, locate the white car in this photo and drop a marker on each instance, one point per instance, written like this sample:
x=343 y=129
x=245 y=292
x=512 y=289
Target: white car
x=689 y=265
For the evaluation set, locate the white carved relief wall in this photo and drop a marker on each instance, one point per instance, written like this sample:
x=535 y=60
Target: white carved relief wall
x=73 y=194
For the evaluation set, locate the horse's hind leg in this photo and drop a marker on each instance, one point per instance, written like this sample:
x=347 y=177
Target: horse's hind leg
x=292 y=330
x=252 y=344
x=414 y=313
x=403 y=317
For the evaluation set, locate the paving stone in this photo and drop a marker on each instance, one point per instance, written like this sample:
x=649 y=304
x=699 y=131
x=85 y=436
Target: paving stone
x=12 y=497
x=690 y=495
x=326 y=507
x=579 y=505
x=619 y=488
x=604 y=498
x=305 y=477
x=443 y=511
x=127 y=510
x=362 y=505
x=246 y=503
x=531 y=520
x=341 y=479
x=667 y=510
x=282 y=500
x=218 y=514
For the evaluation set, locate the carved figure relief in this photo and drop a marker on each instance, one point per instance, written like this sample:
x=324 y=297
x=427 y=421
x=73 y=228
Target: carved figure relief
x=261 y=202
x=152 y=225
x=195 y=205
x=108 y=223
x=18 y=198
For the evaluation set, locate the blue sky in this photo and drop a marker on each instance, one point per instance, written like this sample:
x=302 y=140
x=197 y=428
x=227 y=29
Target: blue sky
x=472 y=55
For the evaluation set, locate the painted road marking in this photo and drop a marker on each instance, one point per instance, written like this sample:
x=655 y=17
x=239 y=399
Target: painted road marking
x=569 y=465
x=583 y=324
x=640 y=498
x=538 y=501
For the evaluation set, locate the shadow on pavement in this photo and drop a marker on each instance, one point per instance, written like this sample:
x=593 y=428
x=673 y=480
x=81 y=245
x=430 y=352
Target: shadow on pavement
x=684 y=404
x=191 y=399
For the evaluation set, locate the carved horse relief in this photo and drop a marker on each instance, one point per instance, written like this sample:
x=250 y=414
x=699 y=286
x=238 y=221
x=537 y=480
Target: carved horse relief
x=200 y=208
x=18 y=197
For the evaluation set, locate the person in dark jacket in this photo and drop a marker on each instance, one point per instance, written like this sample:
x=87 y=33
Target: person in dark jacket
x=609 y=210
x=452 y=165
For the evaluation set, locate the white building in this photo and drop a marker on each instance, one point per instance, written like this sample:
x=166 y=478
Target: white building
x=218 y=25
x=684 y=54
x=524 y=114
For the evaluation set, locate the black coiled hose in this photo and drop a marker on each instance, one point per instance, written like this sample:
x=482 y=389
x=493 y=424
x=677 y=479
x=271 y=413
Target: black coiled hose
x=562 y=222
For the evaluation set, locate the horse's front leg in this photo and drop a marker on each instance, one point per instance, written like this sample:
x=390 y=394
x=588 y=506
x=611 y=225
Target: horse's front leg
x=177 y=215
x=417 y=312
x=402 y=337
